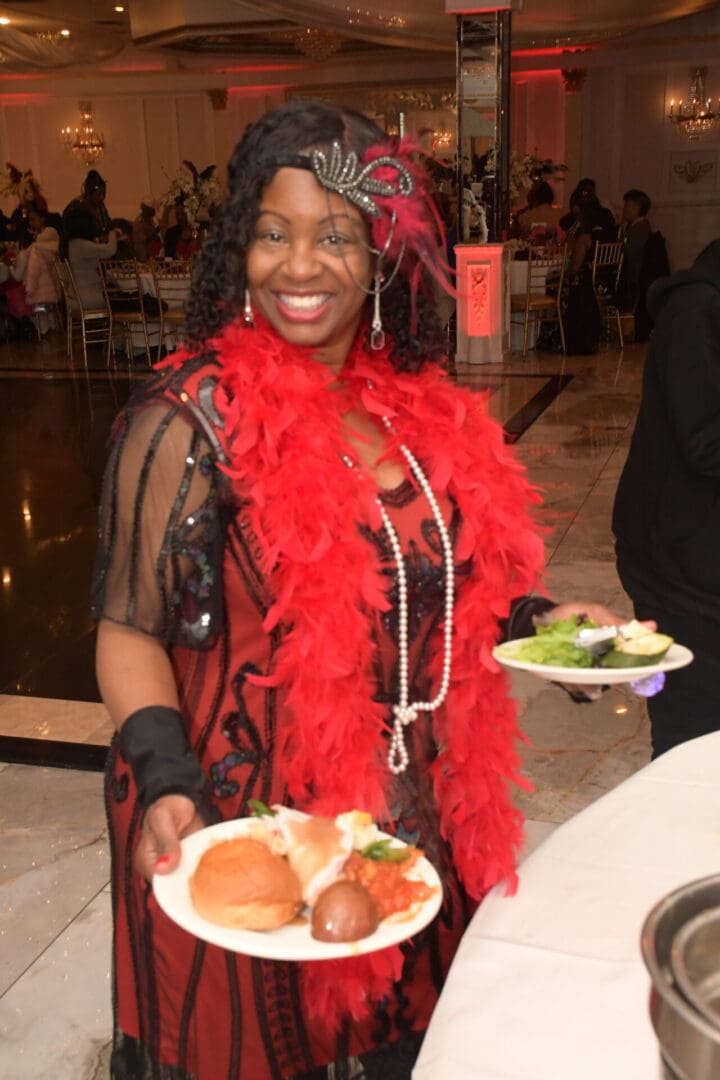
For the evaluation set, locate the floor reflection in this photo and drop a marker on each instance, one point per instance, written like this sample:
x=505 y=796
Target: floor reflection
x=53 y=442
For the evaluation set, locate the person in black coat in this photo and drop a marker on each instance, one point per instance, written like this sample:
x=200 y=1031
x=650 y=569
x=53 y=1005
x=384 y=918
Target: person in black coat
x=666 y=518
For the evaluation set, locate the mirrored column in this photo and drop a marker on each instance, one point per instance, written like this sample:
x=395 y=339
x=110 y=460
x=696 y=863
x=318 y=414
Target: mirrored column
x=483 y=144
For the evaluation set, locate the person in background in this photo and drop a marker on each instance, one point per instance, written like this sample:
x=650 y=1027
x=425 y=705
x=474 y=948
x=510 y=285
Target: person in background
x=84 y=245
x=606 y=217
x=634 y=232
x=34 y=267
x=92 y=202
x=174 y=232
x=44 y=235
x=540 y=214
x=666 y=517
x=145 y=233
x=17 y=229
x=125 y=246
x=579 y=306
x=188 y=244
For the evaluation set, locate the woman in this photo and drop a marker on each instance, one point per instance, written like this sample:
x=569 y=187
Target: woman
x=35 y=268
x=540 y=218
x=92 y=201
x=44 y=236
x=579 y=306
x=271 y=558
x=84 y=247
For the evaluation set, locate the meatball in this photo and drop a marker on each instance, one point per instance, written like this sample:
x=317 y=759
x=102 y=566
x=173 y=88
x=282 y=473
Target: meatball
x=345 y=911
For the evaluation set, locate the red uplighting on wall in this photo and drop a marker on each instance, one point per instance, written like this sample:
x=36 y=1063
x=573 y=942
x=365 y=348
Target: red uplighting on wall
x=122 y=69
x=535 y=72
x=240 y=69
x=20 y=77
x=23 y=99
x=555 y=50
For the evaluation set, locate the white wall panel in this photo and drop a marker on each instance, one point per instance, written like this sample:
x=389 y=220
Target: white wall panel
x=19 y=145
x=195 y=127
x=163 y=148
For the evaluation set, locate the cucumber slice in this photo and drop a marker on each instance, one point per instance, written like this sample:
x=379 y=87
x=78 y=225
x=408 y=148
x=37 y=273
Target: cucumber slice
x=642 y=651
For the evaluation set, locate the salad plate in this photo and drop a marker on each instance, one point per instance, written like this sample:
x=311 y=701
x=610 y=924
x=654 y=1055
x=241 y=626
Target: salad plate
x=293 y=941
x=509 y=654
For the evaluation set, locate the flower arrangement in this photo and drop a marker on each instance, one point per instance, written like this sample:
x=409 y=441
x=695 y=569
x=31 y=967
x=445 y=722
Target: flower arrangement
x=198 y=192
x=21 y=185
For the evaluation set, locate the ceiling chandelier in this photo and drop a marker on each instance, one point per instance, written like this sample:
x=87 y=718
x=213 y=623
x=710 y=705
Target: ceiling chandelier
x=318 y=45
x=694 y=117
x=52 y=37
x=86 y=143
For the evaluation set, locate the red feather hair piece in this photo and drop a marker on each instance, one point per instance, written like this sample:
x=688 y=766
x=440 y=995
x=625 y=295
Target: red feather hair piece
x=417 y=228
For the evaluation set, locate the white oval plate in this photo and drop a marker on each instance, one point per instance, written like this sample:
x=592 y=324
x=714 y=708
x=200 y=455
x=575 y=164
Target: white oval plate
x=677 y=656
x=292 y=942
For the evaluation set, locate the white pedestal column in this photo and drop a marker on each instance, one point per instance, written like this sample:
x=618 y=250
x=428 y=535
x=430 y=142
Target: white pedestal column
x=483 y=305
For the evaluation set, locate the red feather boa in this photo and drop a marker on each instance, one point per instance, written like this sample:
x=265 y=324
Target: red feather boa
x=285 y=441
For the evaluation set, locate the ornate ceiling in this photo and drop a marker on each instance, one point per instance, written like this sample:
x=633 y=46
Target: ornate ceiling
x=31 y=41
x=537 y=22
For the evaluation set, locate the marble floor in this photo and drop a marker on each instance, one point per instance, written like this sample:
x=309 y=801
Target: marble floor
x=570 y=423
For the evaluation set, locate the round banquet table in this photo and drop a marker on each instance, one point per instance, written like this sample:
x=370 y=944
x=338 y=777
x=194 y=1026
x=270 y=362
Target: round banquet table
x=549 y=984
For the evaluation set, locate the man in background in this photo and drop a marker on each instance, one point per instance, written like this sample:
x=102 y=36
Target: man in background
x=634 y=231
x=666 y=518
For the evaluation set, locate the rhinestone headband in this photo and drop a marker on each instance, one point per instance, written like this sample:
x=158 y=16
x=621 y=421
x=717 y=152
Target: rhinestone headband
x=341 y=172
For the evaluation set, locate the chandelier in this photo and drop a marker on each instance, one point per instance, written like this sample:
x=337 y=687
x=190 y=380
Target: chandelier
x=318 y=45
x=442 y=139
x=694 y=117
x=52 y=37
x=86 y=143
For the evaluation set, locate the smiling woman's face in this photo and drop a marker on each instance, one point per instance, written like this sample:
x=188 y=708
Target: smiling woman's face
x=309 y=252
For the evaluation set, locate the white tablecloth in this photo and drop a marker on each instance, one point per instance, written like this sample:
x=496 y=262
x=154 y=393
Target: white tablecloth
x=550 y=984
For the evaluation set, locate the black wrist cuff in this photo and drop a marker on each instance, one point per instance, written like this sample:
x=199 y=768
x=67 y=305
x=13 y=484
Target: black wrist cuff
x=155 y=745
x=520 y=622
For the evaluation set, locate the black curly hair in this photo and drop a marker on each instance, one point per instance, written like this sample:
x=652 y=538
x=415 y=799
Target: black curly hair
x=218 y=286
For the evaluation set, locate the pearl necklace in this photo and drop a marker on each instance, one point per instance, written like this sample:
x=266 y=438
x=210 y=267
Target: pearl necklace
x=406 y=712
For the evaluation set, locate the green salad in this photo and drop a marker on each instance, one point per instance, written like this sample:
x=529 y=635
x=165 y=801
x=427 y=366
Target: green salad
x=553 y=645
x=628 y=646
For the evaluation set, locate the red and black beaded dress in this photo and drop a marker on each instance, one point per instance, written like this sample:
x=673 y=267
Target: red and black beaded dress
x=178 y=561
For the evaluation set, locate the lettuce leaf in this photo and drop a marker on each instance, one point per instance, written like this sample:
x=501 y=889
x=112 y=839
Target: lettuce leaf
x=553 y=645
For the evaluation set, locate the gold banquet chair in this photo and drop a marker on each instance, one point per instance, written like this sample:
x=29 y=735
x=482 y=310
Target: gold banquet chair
x=90 y=325
x=120 y=278
x=606 y=268
x=538 y=303
x=172 y=288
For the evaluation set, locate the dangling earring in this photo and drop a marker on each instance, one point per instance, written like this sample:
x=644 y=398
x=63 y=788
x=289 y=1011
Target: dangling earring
x=377 y=334
x=248 y=311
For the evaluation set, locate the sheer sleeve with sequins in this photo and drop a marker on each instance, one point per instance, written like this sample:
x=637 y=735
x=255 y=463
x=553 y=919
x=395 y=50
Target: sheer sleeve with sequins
x=159 y=560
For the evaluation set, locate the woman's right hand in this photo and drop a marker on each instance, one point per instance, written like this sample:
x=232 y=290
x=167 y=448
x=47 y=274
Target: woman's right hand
x=166 y=822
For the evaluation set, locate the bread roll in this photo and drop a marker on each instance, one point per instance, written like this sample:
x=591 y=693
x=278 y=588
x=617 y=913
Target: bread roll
x=242 y=884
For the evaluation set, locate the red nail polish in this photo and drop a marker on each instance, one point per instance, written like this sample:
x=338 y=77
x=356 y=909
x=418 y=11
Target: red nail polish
x=163 y=860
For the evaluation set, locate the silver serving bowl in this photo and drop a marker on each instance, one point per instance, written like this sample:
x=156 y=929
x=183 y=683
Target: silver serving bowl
x=695 y=963
x=689 y=1036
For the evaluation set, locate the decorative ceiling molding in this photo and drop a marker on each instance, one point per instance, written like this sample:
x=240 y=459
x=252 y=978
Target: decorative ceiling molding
x=239 y=27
